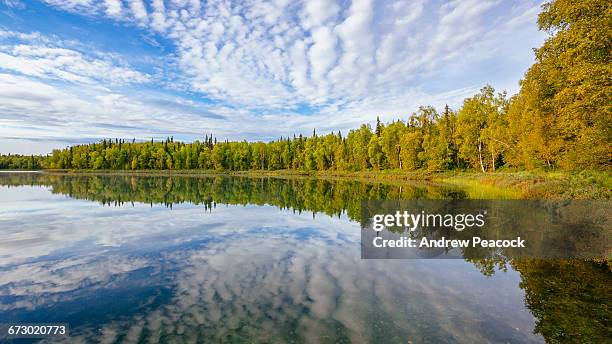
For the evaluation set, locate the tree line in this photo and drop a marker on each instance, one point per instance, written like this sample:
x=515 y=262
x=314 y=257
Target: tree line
x=561 y=118
x=21 y=162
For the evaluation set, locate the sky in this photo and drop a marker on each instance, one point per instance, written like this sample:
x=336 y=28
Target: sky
x=77 y=71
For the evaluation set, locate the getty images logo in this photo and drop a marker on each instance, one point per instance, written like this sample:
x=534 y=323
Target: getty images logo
x=412 y=221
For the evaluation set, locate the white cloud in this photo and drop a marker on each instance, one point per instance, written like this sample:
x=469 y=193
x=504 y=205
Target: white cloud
x=322 y=53
x=12 y=3
x=158 y=16
x=37 y=56
x=263 y=60
x=33 y=109
x=91 y=6
x=64 y=64
x=113 y=7
x=318 y=12
x=138 y=9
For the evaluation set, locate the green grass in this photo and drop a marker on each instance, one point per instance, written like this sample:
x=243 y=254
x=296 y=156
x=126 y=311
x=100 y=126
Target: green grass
x=538 y=184
x=477 y=189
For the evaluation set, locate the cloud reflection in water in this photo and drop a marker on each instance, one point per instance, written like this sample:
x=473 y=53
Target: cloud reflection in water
x=238 y=273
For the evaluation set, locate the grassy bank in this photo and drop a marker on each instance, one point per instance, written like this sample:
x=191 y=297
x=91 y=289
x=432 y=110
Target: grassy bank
x=513 y=184
x=539 y=185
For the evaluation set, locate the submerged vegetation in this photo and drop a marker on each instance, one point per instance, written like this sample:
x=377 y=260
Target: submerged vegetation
x=560 y=119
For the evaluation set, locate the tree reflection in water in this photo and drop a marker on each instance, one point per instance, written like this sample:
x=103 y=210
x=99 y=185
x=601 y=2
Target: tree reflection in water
x=570 y=299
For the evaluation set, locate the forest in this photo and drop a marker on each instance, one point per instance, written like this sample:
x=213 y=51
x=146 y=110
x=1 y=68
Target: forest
x=560 y=119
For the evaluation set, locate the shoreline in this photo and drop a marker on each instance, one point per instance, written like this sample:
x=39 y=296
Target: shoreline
x=514 y=184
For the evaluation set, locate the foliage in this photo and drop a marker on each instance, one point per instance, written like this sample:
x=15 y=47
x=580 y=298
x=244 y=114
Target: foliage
x=561 y=118
x=20 y=162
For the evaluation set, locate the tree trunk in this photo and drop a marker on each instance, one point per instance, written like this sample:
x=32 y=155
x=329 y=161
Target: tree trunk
x=480 y=156
x=493 y=159
x=399 y=158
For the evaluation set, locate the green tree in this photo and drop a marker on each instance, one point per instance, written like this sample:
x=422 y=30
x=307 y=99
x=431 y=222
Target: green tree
x=376 y=154
x=562 y=114
x=479 y=122
x=390 y=143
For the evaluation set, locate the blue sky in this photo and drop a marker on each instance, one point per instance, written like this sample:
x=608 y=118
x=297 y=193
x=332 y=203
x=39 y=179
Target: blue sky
x=75 y=71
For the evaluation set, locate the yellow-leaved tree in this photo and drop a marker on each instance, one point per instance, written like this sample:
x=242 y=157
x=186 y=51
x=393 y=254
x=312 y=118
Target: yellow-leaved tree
x=562 y=116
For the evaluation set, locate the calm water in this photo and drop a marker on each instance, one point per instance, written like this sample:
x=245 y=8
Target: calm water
x=183 y=259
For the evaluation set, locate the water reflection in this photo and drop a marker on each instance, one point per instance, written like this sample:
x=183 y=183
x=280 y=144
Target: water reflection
x=331 y=197
x=257 y=268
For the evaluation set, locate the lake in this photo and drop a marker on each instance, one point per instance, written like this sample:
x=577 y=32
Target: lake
x=138 y=259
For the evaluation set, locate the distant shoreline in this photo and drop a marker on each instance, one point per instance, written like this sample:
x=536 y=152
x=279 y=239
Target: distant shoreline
x=517 y=184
